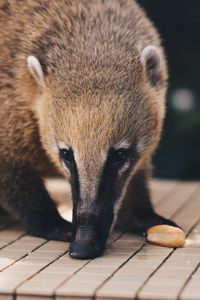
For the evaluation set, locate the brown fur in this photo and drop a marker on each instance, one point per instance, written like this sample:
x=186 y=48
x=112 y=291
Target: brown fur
x=97 y=92
x=87 y=71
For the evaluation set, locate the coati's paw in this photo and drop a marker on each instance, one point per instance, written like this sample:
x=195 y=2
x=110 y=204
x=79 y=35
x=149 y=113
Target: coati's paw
x=140 y=224
x=165 y=235
x=159 y=220
x=61 y=231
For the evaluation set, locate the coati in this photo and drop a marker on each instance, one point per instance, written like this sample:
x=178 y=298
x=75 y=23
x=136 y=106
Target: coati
x=82 y=93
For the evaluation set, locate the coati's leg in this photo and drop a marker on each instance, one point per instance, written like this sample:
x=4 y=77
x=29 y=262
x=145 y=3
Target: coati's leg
x=23 y=194
x=137 y=214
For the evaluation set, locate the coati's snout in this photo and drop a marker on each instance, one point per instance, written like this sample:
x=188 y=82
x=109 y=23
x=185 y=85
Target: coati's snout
x=96 y=197
x=89 y=240
x=86 y=245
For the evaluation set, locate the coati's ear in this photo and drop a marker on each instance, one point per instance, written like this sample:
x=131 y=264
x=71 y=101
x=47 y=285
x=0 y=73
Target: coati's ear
x=152 y=61
x=36 y=71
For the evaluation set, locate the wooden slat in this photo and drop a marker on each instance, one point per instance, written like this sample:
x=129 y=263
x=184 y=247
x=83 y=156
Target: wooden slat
x=172 y=202
x=10 y=235
x=97 y=271
x=129 y=290
x=127 y=280
x=161 y=188
x=60 y=192
x=17 y=250
x=89 y=288
x=191 y=290
x=130 y=268
x=33 y=298
x=35 y=261
x=45 y=282
x=6 y=297
x=173 y=273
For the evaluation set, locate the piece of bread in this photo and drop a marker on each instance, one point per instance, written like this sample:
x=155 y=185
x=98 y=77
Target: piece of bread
x=165 y=235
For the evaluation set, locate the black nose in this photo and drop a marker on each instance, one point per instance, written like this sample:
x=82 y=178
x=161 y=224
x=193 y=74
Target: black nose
x=85 y=249
x=86 y=244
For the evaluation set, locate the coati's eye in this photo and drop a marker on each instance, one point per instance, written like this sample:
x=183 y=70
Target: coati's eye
x=120 y=155
x=66 y=155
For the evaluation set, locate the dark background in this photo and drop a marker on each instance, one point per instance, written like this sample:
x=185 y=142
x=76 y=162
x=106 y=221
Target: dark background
x=178 y=22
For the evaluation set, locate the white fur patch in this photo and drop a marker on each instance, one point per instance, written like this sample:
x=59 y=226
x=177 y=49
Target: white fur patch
x=117 y=206
x=143 y=141
x=151 y=58
x=62 y=145
x=118 y=202
x=120 y=145
x=65 y=167
x=150 y=51
x=54 y=147
x=124 y=168
x=35 y=69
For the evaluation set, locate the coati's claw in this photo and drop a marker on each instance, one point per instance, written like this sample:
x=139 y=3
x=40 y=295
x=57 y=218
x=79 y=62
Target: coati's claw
x=61 y=232
x=159 y=220
x=140 y=224
x=58 y=234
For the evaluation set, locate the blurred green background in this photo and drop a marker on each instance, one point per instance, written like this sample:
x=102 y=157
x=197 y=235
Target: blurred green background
x=178 y=22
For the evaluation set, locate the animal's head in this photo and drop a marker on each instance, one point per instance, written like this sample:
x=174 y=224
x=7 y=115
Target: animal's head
x=99 y=124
